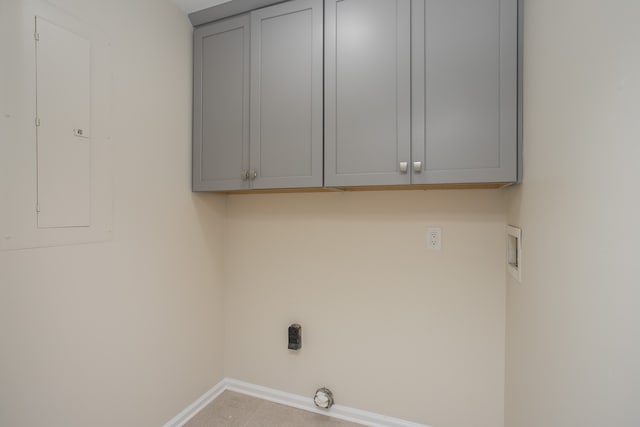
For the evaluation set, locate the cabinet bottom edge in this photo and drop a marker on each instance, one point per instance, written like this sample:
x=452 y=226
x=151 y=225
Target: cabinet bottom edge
x=480 y=186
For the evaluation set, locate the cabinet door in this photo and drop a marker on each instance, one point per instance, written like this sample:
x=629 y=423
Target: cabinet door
x=464 y=91
x=221 y=105
x=286 y=95
x=367 y=92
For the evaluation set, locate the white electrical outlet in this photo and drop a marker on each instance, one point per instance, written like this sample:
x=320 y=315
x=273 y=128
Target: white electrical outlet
x=434 y=238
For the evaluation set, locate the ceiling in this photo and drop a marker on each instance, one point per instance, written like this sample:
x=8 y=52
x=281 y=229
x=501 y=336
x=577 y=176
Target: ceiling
x=192 y=5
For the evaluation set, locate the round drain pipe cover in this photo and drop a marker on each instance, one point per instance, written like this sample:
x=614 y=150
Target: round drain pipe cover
x=323 y=398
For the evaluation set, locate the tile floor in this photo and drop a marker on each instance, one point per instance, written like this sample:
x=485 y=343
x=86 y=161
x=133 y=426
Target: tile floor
x=238 y=410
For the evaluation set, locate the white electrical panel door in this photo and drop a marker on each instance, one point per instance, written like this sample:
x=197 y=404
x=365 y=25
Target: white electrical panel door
x=63 y=121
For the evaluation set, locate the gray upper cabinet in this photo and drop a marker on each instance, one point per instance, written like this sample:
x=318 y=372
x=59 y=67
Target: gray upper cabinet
x=349 y=93
x=258 y=100
x=367 y=92
x=221 y=105
x=464 y=91
x=420 y=92
x=286 y=95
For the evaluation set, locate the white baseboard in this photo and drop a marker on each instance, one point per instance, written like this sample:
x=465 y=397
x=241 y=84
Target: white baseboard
x=191 y=410
x=293 y=400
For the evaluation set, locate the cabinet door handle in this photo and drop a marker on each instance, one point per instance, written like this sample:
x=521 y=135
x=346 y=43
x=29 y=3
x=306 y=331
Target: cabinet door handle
x=417 y=167
x=245 y=175
x=404 y=167
x=253 y=174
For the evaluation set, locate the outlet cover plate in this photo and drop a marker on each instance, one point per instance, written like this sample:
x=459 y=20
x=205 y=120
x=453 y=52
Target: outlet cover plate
x=434 y=238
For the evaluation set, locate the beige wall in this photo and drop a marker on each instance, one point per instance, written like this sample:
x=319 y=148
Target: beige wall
x=127 y=332
x=389 y=326
x=130 y=331
x=573 y=341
